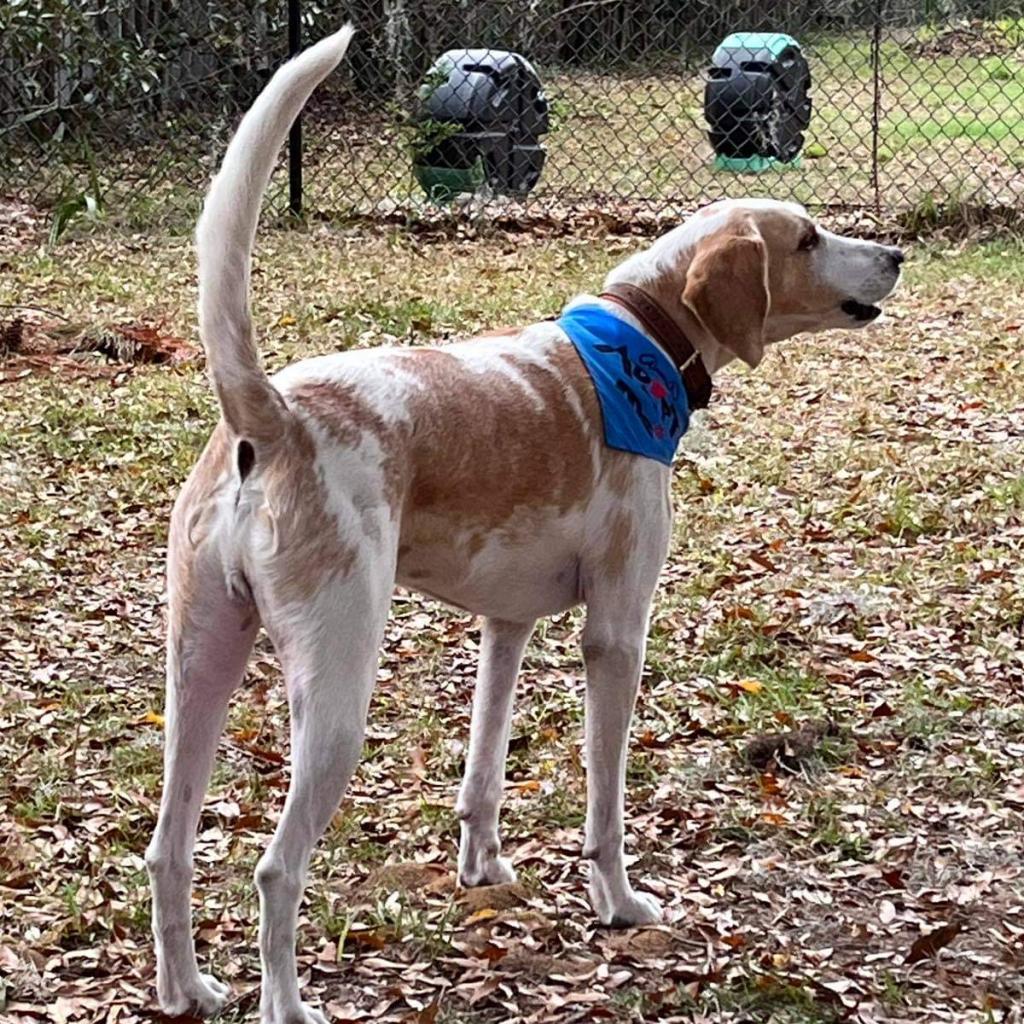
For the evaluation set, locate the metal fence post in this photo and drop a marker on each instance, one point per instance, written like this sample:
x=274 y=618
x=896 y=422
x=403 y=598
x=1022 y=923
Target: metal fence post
x=876 y=101
x=295 y=135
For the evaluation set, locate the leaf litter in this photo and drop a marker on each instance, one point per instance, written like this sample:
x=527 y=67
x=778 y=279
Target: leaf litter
x=30 y=341
x=848 y=547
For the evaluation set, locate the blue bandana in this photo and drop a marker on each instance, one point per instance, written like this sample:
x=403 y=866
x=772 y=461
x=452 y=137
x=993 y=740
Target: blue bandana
x=643 y=400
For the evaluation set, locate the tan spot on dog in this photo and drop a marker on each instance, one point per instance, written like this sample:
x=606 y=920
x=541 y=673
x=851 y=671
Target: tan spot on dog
x=310 y=552
x=618 y=472
x=339 y=408
x=488 y=444
x=189 y=524
x=622 y=543
x=346 y=416
x=500 y=332
x=794 y=287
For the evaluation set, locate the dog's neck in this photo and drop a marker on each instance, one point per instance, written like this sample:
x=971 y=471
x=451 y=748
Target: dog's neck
x=666 y=334
x=667 y=293
x=660 y=271
x=669 y=297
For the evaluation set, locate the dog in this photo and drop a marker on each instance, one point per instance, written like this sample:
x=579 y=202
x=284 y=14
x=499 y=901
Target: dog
x=479 y=473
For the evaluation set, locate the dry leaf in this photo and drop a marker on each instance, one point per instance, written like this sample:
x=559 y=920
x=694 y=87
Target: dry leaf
x=930 y=943
x=484 y=914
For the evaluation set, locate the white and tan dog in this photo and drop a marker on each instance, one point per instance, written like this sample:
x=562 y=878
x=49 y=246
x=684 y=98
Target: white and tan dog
x=475 y=473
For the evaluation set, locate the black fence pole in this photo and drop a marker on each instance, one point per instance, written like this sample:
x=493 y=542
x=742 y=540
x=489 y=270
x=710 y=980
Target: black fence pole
x=876 y=101
x=295 y=135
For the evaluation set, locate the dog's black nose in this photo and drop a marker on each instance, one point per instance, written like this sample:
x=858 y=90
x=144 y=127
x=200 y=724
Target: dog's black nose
x=897 y=257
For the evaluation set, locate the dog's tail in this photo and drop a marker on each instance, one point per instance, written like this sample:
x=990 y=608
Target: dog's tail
x=251 y=405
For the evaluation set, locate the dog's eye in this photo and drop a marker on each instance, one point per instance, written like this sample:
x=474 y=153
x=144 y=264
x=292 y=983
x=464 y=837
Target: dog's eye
x=809 y=241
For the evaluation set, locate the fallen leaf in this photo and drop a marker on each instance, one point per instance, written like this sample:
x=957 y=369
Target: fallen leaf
x=483 y=990
x=931 y=942
x=484 y=914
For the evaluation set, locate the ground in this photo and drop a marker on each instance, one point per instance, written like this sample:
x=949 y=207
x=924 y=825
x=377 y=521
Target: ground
x=848 y=545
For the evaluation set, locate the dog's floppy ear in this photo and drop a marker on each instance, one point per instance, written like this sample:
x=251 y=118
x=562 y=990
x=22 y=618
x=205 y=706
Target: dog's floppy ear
x=727 y=291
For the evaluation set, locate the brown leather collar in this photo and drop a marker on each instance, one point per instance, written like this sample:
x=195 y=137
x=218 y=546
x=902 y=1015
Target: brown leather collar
x=667 y=333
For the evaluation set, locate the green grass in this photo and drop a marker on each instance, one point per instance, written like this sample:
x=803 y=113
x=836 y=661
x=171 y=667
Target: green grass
x=998 y=260
x=973 y=125
x=767 y=998
x=1008 y=496
x=760 y=998
x=830 y=831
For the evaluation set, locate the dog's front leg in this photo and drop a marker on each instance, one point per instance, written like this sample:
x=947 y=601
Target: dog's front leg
x=501 y=652
x=613 y=650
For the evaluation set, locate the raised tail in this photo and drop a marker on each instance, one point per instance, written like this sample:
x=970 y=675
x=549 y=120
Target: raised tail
x=251 y=405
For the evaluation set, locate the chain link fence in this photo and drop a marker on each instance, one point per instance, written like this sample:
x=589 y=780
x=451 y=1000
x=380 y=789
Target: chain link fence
x=123 y=107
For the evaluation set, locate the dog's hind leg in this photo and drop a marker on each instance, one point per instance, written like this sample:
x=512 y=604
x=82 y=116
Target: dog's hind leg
x=501 y=652
x=328 y=647
x=209 y=638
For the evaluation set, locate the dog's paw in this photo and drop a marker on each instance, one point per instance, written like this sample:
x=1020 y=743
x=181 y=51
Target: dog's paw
x=479 y=860
x=486 y=871
x=631 y=911
x=202 y=996
x=301 y=1014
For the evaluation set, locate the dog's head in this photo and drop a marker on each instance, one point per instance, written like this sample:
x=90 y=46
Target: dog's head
x=756 y=271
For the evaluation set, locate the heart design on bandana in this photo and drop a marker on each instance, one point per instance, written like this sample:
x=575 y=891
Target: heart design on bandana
x=657 y=389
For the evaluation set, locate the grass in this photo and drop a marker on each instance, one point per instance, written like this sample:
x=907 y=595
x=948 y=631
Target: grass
x=847 y=539
x=763 y=998
x=1000 y=259
x=766 y=997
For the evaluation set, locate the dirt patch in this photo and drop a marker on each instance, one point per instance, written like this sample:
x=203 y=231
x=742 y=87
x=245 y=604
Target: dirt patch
x=493 y=897
x=642 y=942
x=411 y=877
x=792 y=748
x=142 y=343
x=12 y=336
